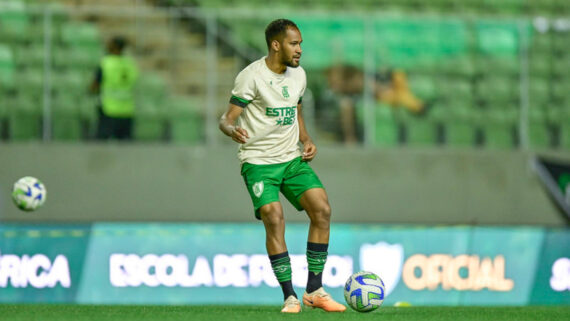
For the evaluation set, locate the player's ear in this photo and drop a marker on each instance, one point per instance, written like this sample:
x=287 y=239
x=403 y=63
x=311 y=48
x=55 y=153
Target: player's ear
x=275 y=45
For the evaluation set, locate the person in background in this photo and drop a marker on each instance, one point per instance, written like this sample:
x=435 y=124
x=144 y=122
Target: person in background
x=114 y=81
x=345 y=90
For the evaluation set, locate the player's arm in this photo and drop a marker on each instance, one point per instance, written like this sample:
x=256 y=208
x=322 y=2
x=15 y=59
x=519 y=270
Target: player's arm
x=309 y=148
x=228 y=127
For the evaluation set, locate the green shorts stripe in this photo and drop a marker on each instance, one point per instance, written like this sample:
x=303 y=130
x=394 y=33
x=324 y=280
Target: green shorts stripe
x=292 y=179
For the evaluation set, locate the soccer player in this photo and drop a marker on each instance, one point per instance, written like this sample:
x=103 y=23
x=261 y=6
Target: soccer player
x=265 y=117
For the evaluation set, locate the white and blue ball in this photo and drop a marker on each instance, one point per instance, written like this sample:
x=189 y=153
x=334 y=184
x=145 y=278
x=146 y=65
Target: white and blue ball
x=29 y=193
x=364 y=291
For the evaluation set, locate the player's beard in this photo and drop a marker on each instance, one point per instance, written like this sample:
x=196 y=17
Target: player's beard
x=291 y=62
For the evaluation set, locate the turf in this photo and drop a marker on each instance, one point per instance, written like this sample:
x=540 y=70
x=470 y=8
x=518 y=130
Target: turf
x=33 y=312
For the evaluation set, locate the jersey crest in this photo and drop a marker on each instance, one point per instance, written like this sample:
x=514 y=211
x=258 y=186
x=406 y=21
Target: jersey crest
x=285 y=91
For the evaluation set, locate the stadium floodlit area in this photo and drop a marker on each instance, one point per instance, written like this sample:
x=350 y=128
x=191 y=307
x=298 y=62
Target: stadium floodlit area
x=443 y=129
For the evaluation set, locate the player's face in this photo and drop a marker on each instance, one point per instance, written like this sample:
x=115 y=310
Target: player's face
x=291 y=48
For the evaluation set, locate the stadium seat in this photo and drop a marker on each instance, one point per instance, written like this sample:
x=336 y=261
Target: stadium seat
x=151 y=87
x=538 y=92
x=14 y=21
x=78 y=58
x=560 y=90
x=498 y=124
x=539 y=65
x=71 y=82
x=461 y=66
x=423 y=87
x=459 y=123
x=497 y=89
x=66 y=122
x=149 y=123
x=25 y=119
x=30 y=82
x=80 y=34
x=7 y=67
x=455 y=89
x=186 y=125
x=32 y=56
x=419 y=130
x=497 y=38
x=386 y=131
x=538 y=129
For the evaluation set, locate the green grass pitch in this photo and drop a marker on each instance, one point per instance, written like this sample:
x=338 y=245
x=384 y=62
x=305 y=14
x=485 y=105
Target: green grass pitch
x=56 y=312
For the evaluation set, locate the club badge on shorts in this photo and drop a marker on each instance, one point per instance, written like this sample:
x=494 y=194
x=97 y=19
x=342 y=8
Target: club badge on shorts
x=258 y=189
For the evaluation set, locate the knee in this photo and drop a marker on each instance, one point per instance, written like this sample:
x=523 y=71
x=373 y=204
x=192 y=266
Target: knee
x=272 y=217
x=322 y=215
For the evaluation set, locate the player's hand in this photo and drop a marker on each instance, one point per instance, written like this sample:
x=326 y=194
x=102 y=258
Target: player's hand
x=309 y=151
x=239 y=135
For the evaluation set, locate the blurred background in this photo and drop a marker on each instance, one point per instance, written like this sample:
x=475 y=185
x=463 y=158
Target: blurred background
x=437 y=113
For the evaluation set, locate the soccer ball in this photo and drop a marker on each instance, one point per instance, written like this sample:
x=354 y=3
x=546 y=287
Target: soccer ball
x=364 y=291
x=29 y=193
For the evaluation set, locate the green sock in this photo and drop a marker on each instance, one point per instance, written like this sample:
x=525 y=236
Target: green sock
x=316 y=257
x=281 y=264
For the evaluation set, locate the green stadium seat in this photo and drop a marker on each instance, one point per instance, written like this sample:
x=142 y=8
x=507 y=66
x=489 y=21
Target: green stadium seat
x=538 y=129
x=88 y=114
x=31 y=56
x=423 y=87
x=455 y=89
x=151 y=87
x=71 y=82
x=540 y=43
x=14 y=21
x=497 y=38
x=462 y=66
x=539 y=65
x=7 y=68
x=459 y=123
x=561 y=65
x=386 y=131
x=149 y=123
x=498 y=124
x=186 y=124
x=559 y=116
x=497 y=89
x=84 y=58
x=25 y=119
x=491 y=66
x=30 y=82
x=66 y=121
x=80 y=34
x=420 y=130
x=560 y=90
x=539 y=92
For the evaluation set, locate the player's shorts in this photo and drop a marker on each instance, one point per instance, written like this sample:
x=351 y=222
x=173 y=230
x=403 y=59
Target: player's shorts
x=264 y=182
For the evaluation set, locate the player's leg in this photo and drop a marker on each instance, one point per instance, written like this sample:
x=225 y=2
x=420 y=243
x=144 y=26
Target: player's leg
x=263 y=183
x=274 y=223
x=316 y=204
x=305 y=191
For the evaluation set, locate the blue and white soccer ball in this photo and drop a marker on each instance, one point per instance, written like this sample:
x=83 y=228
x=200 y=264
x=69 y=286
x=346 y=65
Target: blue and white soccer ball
x=364 y=291
x=29 y=193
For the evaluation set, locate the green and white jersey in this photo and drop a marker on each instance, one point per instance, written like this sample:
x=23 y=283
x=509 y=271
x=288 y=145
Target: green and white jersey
x=270 y=112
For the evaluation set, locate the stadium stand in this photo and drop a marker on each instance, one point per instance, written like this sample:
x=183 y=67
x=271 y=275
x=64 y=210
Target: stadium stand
x=464 y=57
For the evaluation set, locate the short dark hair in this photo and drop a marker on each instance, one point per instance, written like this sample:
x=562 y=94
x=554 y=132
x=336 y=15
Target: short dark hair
x=277 y=28
x=119 y=42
